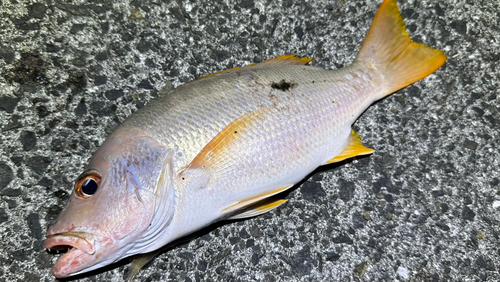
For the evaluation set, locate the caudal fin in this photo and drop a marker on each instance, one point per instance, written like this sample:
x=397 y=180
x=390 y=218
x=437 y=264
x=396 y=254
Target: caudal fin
x=389 y=49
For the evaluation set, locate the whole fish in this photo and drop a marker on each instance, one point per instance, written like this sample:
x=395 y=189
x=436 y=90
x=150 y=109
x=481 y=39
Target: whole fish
x=219 y=147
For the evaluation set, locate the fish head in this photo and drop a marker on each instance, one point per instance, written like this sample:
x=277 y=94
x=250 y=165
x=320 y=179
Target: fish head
x=111 y=211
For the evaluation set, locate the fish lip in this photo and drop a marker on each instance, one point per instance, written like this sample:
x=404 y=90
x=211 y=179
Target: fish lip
x=81 y=240
x=81 y=247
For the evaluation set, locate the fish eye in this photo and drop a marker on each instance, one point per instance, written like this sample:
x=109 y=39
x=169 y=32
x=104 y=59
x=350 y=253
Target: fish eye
x=87 y=184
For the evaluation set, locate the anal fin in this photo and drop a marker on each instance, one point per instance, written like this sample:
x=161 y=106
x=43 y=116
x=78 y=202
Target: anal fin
x=353 y=148
x=259 y=208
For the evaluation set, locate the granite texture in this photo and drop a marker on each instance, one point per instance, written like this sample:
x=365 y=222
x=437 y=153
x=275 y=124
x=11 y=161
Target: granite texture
x=424 y=207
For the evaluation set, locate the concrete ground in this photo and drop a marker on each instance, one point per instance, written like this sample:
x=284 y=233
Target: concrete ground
x=424 y=207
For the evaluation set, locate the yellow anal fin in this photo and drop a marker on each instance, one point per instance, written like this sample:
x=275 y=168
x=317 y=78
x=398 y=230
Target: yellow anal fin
x=217 y=146
x=290 y=59
x=259 y=208
x=248 y=202
x=353 y=148
x=390 y=50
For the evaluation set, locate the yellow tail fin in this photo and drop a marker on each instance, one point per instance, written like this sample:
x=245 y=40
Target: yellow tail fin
x=389 y=48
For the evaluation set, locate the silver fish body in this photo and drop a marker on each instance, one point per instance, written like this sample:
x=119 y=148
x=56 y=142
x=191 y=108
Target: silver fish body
x=293 y=130
x=290 y=132
x=220 y=147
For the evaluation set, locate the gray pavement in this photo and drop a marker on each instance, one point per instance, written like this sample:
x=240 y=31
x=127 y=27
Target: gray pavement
x=424 y=207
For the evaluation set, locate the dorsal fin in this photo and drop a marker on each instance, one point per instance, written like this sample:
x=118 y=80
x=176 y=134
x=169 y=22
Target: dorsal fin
x=290 y=59
x=231 y=69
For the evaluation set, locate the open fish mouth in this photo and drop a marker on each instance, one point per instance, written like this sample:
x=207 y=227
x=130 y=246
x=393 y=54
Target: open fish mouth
x=80 y=248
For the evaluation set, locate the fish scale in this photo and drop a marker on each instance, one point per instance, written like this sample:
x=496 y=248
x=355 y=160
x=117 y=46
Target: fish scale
x=324 y=105
x=295 y=136
x=224 y=146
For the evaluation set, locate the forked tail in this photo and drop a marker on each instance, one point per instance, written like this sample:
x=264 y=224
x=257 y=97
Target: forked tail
x=390 y=50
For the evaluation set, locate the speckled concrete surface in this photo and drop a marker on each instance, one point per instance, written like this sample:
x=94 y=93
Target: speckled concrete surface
x=424 y=207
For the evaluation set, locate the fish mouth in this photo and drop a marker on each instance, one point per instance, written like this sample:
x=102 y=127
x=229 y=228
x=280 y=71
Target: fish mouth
x=79 y=247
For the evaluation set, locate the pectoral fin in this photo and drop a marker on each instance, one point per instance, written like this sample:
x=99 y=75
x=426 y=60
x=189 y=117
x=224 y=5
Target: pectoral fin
x=215 y=150
x=259 y=208
x=353 y=148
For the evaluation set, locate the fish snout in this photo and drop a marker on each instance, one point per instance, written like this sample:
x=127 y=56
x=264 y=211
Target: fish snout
x=79 y=246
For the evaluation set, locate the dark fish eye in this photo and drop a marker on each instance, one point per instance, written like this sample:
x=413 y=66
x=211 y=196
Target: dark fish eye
x=87 y=184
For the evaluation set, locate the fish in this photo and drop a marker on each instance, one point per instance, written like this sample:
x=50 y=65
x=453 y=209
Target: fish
x=223 y=146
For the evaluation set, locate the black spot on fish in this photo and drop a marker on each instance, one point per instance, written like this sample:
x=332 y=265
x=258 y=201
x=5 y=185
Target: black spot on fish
x=283 y=85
